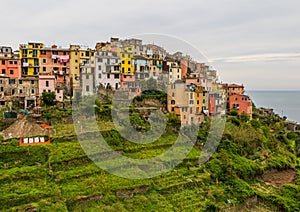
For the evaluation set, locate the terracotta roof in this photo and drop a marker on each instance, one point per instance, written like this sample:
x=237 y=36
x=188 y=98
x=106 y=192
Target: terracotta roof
x=235 y=86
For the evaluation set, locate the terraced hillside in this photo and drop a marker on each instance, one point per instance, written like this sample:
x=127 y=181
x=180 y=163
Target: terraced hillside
x=60 y=177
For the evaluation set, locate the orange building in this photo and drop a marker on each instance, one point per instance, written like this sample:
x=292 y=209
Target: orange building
x=56 y=61
x=10 y=64
x=241 y=103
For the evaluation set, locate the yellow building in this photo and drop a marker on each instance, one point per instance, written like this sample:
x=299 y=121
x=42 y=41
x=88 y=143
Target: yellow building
x=30 y=57
x=185 y=100
x=78 y=58
x=126 y=60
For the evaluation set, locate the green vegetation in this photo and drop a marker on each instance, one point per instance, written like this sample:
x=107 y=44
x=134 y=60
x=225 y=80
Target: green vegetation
x=60 y=177
x=48 y=98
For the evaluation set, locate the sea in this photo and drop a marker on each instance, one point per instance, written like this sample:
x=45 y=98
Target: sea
x=284 y=102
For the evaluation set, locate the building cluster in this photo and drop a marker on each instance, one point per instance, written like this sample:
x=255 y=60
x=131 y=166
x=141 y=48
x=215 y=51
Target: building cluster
x=193 y=88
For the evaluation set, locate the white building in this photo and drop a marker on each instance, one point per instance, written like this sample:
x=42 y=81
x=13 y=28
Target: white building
x=107 y=70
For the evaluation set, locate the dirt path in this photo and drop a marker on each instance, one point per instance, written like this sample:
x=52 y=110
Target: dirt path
x=277 y=178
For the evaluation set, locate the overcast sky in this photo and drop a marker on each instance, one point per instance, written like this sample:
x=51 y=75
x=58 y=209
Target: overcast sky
x=254 y=42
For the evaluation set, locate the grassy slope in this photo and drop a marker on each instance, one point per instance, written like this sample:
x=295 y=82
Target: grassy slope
x=59 y=177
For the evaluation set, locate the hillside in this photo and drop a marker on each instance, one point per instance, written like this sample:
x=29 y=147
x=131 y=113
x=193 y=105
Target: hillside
x=255 y=168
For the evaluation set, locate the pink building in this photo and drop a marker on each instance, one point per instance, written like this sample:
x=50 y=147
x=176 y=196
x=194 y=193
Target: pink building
x=47 y=84
x=128 y=82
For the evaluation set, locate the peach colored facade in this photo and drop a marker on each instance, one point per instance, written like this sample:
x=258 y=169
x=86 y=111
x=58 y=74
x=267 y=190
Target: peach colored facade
x=10 y=66
x=184 y=68
x=129 y=83
x=235 y=89
x=56 y=61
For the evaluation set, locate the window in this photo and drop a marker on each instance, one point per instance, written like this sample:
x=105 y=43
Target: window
x=11 y=71
x=1 y=89
x=173 y=109
x=184 y=116
x=20 y=82
x=32 y=91
x=76 y=61
x=12 y=81
x=129 y=69
x=47 y=83
x=173 y=102
x=116 y=76
x=99 y=76
x=191 y=110
x=108 y=61
x=99 y=68
x=57 y=91
x=44 y=69
x=100 y=61
x=173 y=94
x=108 y=76
x=191 y=102
x=87 y=88
x=3 y=71
x=32 y=82
x=191 y=96
x=44 y=60
x=123 y=62
x=15 y=62
x=3 y=62
x=10 y=62
x=203 y=101
x=87 y=76
x=123 y=70
x=198 y=102
x=21 y=91
x=128 y=62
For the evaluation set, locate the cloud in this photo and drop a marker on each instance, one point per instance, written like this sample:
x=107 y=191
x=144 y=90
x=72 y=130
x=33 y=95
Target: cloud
x=259 y=58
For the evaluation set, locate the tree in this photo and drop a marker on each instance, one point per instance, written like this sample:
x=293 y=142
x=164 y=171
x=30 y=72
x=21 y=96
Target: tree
x=48 y=98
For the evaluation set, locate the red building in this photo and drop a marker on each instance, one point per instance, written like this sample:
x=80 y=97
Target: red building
x=10 y=63
x=212 y=106
x=241 y=103
x=56 y=61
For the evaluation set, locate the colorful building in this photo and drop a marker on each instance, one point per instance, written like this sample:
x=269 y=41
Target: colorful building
x=78 y=56
x=174 y=71
x=87 y=73
x=30 y=58
x=107 y=70
x=184 y=100
x=55 y=61
x=235 y=89
x=10 y=64
x=141 y=66
x=126 y=56
x=130 y=84
x=240 y=103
